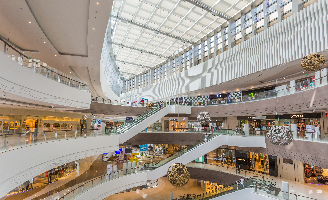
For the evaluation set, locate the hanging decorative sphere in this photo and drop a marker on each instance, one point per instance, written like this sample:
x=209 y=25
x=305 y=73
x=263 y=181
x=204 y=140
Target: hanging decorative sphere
x=204 y=118
x=178 y=174
x=313 y=62
x=280 y=135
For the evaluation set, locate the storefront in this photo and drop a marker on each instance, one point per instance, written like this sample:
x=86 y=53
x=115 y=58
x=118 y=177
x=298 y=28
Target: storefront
x=315 y=175
x=223 y=156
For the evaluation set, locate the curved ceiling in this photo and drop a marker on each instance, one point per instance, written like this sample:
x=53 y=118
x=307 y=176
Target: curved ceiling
x=67 y=35
x=147 y=32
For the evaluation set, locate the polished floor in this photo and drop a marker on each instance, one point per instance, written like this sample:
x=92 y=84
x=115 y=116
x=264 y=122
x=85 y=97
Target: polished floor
x=303 y=189
x=161 y=192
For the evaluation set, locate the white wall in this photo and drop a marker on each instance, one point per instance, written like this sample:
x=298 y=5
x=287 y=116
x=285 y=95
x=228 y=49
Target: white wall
x=22 y=164
x=24 y=82
x=114 y=186
x=287 y=171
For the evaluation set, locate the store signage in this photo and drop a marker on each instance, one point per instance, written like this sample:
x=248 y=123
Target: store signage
x=296 y=116
x=143 y=147
x=310 y=128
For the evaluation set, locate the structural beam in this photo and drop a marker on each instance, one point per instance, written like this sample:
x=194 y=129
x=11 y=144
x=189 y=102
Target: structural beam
x=152 y=29
x=208 y=9
x=121 y=61
x=141 y=50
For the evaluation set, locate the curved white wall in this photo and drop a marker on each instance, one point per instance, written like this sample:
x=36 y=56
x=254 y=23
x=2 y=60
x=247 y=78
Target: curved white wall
x=22 y=164
x=117 y=185
x=23 y=82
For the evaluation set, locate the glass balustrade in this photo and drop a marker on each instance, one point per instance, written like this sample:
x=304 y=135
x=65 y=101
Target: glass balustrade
x=42 y=68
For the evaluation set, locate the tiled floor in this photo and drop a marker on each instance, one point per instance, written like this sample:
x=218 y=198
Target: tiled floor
x=161 y=192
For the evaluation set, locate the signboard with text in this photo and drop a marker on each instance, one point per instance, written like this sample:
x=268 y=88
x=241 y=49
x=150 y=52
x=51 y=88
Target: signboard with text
x=143 y=147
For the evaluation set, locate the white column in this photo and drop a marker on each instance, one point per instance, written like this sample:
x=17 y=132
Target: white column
x=293 y=128
x=124 y=168
x=324 y=76
x=292 y=86
x=129 y=167
x=215 y=45
x=279 y=12
x=242 y=26
x=202 y=51
x=222 y=39
x=246 y=129
x=285 y=190
x=133 y=167
x=295 y=7
x=229 y=34
x=265 y=15
x=253 y=16
x=317 y=79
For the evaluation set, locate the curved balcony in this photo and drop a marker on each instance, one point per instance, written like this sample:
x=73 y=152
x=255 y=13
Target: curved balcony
x=104 y=187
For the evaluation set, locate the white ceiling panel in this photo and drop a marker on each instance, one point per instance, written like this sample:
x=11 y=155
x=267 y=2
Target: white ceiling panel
x=182 y=19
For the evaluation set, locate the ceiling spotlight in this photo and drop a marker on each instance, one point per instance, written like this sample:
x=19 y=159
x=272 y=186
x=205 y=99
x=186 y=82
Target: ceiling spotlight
x=44 y=42
x=70 y=72
x=55 y=55
x=93 y=28
x=29 y=22
x=97 y=3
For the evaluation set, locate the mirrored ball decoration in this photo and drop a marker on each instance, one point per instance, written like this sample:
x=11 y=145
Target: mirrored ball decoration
x=280 y=135
x=178 y=174
x=313 y=62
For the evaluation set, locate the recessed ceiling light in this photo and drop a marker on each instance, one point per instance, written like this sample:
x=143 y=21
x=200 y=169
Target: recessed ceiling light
x=44 y=42
x=93 y=28
x=55 y=55
x=29 y=22
x=97 y=3
x=70 y=72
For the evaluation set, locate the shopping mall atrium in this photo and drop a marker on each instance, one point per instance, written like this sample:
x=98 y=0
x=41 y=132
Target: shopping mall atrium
x=163 y=99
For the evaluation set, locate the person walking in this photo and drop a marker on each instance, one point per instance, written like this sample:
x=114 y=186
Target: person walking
x=237 y=182
x=242 y=183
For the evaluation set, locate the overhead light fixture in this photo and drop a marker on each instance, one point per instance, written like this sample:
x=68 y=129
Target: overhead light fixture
x=93 y=28
x=55 y=55
x=44 y=42
x=29 y=22
x=97 y=3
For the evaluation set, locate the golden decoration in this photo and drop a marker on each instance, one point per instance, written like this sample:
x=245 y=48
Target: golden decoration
x=313 y=62
x=178 y=174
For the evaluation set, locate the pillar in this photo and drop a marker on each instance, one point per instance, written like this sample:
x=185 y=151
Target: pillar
x=253 y=16
x=229 y=34
x=265 y=15
x=246 y=129
x=293 y=128
x=242 y=26
x=285 y=189
x=295 y=6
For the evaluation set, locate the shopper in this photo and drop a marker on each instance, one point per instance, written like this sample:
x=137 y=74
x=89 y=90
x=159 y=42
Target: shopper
x=242 y=183
x=237 y=182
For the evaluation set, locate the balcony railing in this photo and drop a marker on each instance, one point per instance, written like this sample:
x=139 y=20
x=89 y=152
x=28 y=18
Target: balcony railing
x=40 y=67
